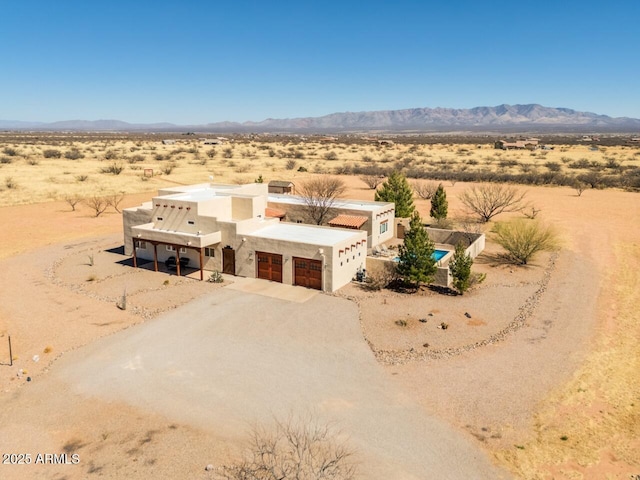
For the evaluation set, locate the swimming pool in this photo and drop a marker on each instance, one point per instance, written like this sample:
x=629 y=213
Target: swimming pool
x=437 y=255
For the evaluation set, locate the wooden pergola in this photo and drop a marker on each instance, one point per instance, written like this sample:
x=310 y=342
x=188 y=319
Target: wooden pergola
x=175 y=246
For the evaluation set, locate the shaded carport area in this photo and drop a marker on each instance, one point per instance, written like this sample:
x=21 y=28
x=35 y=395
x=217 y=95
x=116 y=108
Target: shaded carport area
x=231 y=358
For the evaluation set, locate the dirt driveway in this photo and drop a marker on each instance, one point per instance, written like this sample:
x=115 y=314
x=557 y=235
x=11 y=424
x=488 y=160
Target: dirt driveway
x=230 y=358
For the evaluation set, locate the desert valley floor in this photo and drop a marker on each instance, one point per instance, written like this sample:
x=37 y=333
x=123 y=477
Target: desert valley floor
x=174 y=382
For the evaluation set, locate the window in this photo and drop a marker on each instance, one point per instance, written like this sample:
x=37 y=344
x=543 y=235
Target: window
x=159 y=219
x=384 y=226
x=141 y=244
x=209 y=252
x=183 y=250
x=171 y=248
x=191 y=222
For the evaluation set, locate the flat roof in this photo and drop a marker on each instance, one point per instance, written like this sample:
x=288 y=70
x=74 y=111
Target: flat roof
x=339 y=203
x=300 y=233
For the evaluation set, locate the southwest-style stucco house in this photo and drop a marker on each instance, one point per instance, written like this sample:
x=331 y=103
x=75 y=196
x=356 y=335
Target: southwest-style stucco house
x=233 y=229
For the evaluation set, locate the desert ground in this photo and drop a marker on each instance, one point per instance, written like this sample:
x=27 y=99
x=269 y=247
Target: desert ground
x=540 y=380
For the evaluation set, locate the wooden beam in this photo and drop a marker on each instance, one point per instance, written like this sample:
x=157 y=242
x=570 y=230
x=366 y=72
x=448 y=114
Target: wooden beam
x=177 y=247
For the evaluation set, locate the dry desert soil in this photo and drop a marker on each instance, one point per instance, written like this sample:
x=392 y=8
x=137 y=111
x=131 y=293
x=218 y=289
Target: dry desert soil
x=539 y=381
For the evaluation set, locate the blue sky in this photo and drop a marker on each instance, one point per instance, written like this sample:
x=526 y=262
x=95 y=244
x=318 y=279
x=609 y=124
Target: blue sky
x=193 y=62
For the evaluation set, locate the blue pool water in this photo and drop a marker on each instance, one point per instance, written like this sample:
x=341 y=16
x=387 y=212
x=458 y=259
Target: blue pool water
x=437 y=255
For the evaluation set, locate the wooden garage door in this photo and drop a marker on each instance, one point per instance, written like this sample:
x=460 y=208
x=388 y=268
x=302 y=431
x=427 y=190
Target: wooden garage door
x=269 y=266
x=307 y=273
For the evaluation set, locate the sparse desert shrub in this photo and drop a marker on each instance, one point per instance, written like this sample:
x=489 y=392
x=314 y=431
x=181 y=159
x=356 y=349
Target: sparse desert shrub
x=82 y=178
x=302 y=169
x=227 y=152
x=74 y=154
x=291 y=164
x=401 y=323
x=110 y=155
x=6 y=160
x=553 y=166
x=135 y=159
x=331 y=155
x=242 y=168
x=211 y=153
x=52 y=153
x=167 y=169
x=114 y=168
x=10 y=183
x=159 y=157
x=11 y=152
x=524 y=239
x=32 y=161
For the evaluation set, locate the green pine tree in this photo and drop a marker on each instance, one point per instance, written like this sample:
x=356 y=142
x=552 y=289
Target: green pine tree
x=417 y=264
x=397 y=190
x=439 y=204
x=460 y=267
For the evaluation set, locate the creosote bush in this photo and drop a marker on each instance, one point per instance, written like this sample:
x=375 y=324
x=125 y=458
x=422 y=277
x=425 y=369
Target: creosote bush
x=523 y=239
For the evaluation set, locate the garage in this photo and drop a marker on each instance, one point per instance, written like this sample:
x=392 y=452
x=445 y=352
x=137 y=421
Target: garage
x=307 y=273
x=269 y=266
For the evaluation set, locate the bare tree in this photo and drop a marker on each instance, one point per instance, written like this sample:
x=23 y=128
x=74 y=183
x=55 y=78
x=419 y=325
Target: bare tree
x=372 y=181
x=487 y=201
x=319 y=195
x=97 y=204
x=72 y=200
x=296 y=449
x=425 y=190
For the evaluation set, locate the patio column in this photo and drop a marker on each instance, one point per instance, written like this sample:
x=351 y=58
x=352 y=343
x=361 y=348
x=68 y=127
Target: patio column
x=201 y=264
x=155 y=256
x=177 y=247
x=135 y=260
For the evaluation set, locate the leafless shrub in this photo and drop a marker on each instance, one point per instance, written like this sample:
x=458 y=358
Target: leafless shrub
x=73 y=200
x=167 y=169
x=372 y=181
x=580 y=187
x=295 y=449
x=424 y=190
x=114 y=201
x=487 y=201
x=531 y=212
x=10 y=183
x=97 y=203
x=74 y=154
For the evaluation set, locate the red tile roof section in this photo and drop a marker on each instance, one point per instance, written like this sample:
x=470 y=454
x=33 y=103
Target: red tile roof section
x=348 y=221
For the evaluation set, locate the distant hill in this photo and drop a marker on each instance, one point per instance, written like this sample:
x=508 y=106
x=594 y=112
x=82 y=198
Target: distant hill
x=501 y=118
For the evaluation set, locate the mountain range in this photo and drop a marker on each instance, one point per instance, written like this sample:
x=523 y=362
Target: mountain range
x=530 y=117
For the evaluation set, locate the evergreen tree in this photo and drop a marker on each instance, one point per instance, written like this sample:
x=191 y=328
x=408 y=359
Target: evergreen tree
x=460 y=267
x=397 y=190
x=439 y=204
x=417 y=263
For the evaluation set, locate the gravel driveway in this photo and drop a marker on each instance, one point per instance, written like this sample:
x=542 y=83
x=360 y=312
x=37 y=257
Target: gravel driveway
x=231 y=358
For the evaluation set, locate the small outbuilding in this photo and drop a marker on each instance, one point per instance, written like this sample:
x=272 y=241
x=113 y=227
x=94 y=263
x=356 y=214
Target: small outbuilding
x=282 y=187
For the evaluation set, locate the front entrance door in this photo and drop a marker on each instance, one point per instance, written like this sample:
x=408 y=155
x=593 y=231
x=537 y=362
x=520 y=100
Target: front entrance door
x=228 y=260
